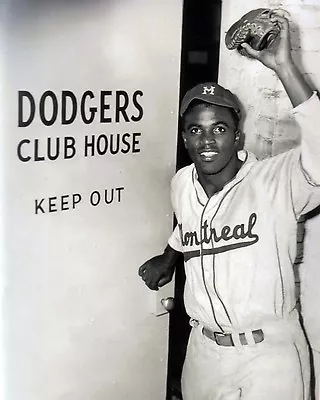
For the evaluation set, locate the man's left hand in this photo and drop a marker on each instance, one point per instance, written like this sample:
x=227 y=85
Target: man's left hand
x=278 y=55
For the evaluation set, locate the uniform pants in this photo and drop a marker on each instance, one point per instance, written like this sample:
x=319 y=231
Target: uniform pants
x=316 y=361
x=276 y=369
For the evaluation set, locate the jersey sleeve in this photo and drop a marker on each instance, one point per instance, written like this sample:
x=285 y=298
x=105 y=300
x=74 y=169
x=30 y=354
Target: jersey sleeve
x=307 y=116
x=292 y=179
x=305 y=174
x=175 y=240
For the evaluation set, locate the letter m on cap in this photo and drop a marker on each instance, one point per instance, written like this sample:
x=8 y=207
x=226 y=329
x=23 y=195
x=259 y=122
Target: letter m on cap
x=208 y=90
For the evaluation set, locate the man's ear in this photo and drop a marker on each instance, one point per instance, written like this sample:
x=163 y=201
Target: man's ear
x=184 y=139
x=237 y=136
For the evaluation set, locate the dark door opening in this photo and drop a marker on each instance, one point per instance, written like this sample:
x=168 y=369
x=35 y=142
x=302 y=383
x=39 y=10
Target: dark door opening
x=199 y=63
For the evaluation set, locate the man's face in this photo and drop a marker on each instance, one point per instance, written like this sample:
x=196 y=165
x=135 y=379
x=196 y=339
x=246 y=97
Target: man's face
x=210 y=136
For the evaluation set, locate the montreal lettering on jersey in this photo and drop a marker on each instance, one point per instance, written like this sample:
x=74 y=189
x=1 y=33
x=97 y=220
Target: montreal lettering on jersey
x=208 y=235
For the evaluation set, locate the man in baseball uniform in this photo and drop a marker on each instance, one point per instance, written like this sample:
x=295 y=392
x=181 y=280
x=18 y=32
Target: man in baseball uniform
x=237 y=220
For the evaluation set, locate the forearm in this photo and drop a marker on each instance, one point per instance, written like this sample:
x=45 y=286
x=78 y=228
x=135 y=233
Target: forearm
x=294 y=83
x=171 y=256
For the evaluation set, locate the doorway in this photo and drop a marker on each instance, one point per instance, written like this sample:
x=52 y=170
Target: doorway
x=199 y=63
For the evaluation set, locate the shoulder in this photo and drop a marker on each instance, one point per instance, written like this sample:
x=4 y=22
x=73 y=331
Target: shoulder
x=276 y=167
x=277 y=160
x=180 y=184
x=182 y=176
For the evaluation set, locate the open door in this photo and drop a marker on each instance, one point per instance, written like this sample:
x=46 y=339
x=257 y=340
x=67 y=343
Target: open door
x=199 y=63
x=89 y=106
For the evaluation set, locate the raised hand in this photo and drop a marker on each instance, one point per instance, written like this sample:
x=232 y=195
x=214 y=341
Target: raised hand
x=278 y=54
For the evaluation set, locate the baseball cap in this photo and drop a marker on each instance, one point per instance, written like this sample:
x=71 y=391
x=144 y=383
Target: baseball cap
x=212 y=93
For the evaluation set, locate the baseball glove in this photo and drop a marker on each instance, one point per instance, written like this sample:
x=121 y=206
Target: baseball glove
x=254 y=28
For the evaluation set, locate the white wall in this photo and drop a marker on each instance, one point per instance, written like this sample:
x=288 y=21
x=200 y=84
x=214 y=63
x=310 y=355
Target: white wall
x=77 y=323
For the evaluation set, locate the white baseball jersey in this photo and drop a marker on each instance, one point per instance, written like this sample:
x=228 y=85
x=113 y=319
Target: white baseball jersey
x=239 y=245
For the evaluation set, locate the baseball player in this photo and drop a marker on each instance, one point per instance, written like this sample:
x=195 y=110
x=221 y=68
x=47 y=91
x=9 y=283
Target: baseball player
x=237 y=221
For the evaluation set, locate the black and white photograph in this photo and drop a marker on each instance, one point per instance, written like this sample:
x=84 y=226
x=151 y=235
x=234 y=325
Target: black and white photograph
x=160 y=200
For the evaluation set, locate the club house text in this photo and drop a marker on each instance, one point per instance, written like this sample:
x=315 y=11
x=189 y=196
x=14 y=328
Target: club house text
x=64 y=108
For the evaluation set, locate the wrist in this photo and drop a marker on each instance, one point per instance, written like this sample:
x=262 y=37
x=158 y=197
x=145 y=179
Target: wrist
x=171 y=256
x=294 y=83
x=285 y=69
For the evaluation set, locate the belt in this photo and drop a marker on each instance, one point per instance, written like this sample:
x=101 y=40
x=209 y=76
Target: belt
x=225 y=339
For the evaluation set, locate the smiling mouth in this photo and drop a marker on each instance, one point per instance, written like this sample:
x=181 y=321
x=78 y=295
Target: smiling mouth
x=208 y=155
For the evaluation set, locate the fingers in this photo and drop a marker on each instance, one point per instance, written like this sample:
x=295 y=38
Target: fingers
x=141 y=270
x=281 y=13
x=164 y=281
x=151 y=281
x=155 y=273
x=253 y=53
x=153 y=286
x=143 y=273
x=281 y=18
x=149 y=278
